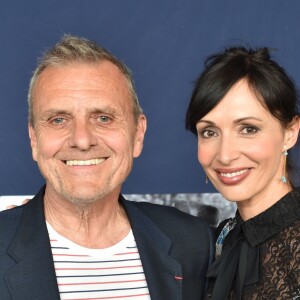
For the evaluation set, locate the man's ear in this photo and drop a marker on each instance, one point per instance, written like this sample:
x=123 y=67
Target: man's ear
x=292 y=132
x=33 y=141
x=139 y=135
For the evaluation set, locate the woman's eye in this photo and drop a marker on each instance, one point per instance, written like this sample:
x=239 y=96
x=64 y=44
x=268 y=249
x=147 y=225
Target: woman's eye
x=249 y=130
x=207 y=133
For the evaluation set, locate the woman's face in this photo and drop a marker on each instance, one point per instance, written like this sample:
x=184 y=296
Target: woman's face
x=240 y=147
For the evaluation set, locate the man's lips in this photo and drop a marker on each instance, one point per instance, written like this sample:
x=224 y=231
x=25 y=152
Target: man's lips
x=86 y=162
x=232 y=176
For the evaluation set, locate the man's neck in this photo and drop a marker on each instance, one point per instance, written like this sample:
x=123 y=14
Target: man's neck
x=100 y=224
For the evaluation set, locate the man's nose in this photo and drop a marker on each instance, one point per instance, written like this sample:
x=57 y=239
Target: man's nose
x=82 y=135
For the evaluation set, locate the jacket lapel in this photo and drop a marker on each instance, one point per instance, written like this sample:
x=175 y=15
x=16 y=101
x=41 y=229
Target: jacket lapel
x=33 y=276
x=163 y=273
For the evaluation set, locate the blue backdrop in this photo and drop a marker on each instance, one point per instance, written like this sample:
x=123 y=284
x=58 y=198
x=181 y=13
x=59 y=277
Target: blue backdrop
x=164 y=42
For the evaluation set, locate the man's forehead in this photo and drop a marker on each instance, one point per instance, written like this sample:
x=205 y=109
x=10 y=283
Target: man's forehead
x=104 y=77
x=98 y=87
x=81 y=69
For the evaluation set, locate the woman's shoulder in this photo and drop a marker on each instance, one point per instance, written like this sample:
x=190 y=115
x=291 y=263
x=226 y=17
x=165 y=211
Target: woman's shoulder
x=286 y=245
x=290 y=235
x=280 y=259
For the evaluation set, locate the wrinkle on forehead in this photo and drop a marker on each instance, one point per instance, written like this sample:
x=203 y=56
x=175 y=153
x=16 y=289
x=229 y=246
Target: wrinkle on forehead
x=103 y=82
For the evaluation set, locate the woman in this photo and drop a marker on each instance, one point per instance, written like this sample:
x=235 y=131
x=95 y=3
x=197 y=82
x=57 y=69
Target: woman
x=244 y=112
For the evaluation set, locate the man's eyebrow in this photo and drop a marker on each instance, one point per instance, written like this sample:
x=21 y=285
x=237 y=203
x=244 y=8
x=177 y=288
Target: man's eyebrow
x=104 y=109
x=54 y=112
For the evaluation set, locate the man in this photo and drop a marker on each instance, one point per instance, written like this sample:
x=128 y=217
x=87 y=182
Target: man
x=79 y=238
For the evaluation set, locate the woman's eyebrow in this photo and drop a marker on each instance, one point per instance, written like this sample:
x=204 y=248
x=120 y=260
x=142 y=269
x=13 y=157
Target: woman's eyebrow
x=206 y=121
x=240 y=120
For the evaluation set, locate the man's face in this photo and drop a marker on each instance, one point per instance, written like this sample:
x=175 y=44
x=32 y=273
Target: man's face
x=84 y=137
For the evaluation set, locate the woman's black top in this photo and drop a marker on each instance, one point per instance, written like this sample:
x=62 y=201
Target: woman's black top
x=260 y=258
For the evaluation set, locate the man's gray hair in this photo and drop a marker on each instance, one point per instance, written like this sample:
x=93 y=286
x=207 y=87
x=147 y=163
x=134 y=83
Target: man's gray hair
x=72 y=49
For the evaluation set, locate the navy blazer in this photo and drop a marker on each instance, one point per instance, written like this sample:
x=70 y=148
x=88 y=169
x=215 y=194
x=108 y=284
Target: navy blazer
x=175 y=249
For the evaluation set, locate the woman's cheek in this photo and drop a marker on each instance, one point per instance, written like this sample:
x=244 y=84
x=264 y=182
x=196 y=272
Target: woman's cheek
x=205 y=155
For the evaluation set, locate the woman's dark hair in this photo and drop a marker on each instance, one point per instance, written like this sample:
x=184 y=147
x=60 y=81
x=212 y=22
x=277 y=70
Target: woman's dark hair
x=268 y=81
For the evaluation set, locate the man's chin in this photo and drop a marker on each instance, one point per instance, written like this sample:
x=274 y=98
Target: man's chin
x=83 y=198
x=82 y=193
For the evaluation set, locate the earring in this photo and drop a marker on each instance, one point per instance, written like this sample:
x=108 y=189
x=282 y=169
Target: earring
x=285 y=153
x=206 y=179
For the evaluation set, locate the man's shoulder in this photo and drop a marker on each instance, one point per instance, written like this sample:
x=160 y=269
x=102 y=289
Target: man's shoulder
x=169 y=216
x=181 y=228
x=9 y=223
x=11 y=214
x=159 y=208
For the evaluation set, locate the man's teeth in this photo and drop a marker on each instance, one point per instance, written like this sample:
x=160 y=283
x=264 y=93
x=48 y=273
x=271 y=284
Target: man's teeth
x=89 y=162
x=229 y=175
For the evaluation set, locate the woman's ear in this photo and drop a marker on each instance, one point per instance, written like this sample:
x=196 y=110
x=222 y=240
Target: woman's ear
x=292 y=132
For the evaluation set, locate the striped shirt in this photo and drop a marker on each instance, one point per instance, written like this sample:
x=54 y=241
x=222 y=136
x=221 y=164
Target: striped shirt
x=91 y=274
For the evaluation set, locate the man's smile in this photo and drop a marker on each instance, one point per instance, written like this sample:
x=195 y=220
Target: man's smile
x=88 y=162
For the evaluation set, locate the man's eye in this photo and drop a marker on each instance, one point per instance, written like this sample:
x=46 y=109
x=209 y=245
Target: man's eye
x=104 y=119
x=57 y=121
